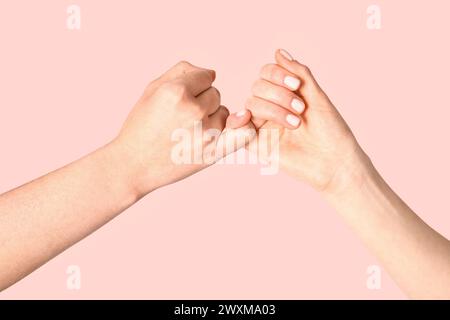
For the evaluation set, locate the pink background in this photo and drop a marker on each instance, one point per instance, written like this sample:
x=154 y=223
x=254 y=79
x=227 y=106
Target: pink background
x=227 y=232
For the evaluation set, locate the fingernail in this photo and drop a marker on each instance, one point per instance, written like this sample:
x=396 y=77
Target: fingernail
x=293 y=120
x=241 y=113
x=291 y=82
x=286 y=54
x=298 y=105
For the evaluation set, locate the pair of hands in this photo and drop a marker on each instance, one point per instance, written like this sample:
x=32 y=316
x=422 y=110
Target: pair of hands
x=315 y=144
x=44 y=217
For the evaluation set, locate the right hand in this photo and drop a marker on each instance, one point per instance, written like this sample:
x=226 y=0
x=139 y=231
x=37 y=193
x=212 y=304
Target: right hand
x=315 y=145
x=177 y=102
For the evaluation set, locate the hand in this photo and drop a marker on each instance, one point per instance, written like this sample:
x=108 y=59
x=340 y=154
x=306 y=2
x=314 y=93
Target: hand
x=315 y=144
x=181 y=104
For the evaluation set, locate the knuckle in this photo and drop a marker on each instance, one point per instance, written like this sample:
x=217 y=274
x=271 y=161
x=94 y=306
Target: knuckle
x=268 y=91
x=256 y=86
x=150 y=86
x=269 y=70
x=266 y=68
x=183 y=65
x=225 y=111
x=274 y=114
x=216 y=93
x=304 y=69
x=271 y=92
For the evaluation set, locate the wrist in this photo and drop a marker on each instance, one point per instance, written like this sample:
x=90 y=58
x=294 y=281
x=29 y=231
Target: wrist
x=351 y=174
x=125 y=170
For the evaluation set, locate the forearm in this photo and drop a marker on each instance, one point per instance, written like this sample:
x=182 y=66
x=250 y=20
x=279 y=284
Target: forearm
x=44 y=217
x=416 y=256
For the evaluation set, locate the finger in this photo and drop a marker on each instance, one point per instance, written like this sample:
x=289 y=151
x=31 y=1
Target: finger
x=209 y=100
x=266 y=110
x=278 y=95
x=280 y=76
x=309 y=84
x=178 y=70
x=197 y=81
x=238 y=119
x=233 y=139
x=218 y=119
x=174 y=72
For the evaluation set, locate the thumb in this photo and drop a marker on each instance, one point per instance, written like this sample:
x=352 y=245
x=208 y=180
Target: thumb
x=309 y=84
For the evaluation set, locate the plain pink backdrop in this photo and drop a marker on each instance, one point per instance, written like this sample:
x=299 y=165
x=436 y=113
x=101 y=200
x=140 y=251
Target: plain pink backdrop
x=227 y=232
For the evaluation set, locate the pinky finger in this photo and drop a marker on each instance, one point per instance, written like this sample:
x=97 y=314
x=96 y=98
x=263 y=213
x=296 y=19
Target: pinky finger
x=238 y=119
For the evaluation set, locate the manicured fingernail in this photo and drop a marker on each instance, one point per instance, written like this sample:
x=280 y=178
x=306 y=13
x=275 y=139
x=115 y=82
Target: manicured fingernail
x=241 y=113
x=286 y=54
x=293 y=120
x=298 y=105
x=291 y=82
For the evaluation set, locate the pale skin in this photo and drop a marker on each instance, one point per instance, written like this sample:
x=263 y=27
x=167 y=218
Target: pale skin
x=322 y=151
x=44 y=217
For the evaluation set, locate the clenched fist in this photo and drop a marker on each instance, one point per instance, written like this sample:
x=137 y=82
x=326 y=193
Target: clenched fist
x=184 y=101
